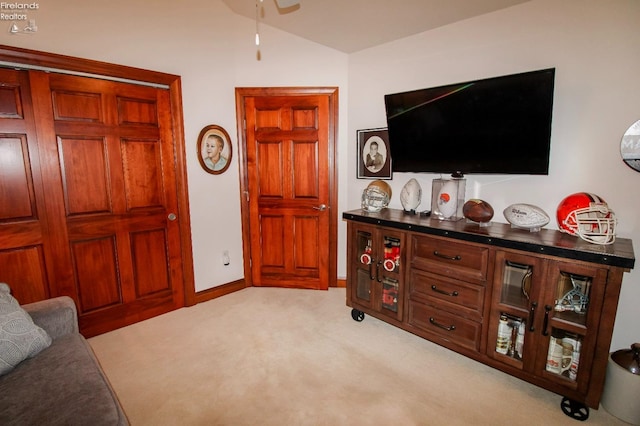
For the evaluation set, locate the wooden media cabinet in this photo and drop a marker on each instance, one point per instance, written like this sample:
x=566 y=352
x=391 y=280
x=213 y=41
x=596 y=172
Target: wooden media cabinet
x=537 y=305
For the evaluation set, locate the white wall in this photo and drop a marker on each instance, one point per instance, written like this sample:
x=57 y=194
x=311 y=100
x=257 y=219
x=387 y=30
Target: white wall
x=594 y=47
x=213 y=50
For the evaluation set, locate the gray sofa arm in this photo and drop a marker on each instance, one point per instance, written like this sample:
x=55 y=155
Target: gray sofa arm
x=57 y=316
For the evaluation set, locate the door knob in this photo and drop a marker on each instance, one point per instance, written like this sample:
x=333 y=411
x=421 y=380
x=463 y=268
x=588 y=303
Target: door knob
x=172 y=217
x=321 y=207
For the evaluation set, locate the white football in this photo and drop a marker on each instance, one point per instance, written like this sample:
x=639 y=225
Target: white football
x=526 y=216
x=411 y=195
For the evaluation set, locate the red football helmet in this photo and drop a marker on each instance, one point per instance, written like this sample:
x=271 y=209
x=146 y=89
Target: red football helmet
x=587 y=216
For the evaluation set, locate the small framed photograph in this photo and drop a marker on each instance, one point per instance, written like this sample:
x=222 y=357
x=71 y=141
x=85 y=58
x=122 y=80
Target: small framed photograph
x=374 y=159
x=214 y=149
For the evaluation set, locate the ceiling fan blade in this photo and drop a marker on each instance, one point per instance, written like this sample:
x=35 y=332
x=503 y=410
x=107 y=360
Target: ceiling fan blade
x=283 y=4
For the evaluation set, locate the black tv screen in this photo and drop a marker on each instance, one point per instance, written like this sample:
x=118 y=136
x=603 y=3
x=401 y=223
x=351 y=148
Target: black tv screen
x=499 y=125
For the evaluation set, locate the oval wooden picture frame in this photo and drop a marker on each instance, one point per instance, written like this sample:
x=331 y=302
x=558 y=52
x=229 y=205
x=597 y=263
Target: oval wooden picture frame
x=213 y=158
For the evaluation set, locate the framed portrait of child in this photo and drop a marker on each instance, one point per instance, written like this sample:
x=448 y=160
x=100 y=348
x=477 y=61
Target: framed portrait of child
x=214 y=149
x=374 y=158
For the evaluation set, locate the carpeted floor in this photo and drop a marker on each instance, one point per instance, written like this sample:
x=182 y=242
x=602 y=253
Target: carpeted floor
x=271 y=356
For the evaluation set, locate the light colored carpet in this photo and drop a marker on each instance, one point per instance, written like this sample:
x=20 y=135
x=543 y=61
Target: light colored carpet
x=271 y=356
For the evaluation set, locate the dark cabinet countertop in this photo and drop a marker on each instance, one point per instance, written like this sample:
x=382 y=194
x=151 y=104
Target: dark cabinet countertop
x=546 y=241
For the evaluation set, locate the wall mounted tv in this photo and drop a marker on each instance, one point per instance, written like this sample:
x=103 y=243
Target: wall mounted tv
x=499 y=125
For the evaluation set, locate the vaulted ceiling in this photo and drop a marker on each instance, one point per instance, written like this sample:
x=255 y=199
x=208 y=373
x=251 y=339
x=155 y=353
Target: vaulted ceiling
x=353 y=25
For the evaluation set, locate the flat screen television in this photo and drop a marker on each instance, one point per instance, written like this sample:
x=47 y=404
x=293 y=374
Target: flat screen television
x=499 y=125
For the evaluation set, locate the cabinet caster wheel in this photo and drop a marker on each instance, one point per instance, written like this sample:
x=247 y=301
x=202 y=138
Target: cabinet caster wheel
x=574 y=409
x=357 y=315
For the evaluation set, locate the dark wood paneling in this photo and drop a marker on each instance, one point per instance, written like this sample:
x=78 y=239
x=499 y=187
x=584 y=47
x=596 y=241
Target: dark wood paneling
x=17 y=199
x=141 y=164
x=270 y=156
x=10 y=101
x=97 y=278
x=85 y=176
x=150 y=248
x=23 y=270
x=137 y=111
x=273 y=251
x=305 y=182
x=305 y=230
x=77 y=106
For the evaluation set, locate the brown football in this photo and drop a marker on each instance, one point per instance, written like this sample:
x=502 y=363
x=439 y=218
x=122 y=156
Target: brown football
x=477 y=210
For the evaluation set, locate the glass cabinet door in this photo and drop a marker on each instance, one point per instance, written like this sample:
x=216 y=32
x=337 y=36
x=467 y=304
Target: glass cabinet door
x=545 y=315
x=388 y=269
x=377 y=266
x=570 y=305
x=515 y=301
x=570 y=320
x=364 y=264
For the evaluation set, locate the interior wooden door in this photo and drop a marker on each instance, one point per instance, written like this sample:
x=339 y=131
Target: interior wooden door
x=115 y=152
x=289 y=171
x=89 y=196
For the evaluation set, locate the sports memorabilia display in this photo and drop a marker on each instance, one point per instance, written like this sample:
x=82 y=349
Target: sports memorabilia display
x=526 y=216
x=587 y=216
x=447 y=198
x=411 y=195
x=376 y=196
x=477 y=210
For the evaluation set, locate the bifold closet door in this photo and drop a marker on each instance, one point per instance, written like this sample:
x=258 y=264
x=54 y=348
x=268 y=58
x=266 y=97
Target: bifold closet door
x=108 y=179
x=26 y=260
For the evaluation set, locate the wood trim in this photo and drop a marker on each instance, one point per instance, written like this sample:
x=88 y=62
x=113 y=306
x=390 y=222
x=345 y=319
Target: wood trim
x=184 y=215
x=70 y=63
x=244 y=184
x=219 y=291
x=341 y=283
x=98 y=68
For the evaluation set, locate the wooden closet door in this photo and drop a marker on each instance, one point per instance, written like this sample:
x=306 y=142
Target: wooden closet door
x=111 y=193
x=25 y=242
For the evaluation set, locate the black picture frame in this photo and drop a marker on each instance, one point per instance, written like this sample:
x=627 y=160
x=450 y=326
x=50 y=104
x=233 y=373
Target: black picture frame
x=378 y=165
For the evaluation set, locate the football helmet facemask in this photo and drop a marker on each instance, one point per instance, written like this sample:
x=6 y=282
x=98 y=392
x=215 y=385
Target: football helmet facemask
x=587 y=216
x=376 y=196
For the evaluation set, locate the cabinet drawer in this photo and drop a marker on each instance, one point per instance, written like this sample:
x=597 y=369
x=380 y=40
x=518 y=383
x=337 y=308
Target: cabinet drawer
x=452 y=328
x=457 y=297
x=449 y=258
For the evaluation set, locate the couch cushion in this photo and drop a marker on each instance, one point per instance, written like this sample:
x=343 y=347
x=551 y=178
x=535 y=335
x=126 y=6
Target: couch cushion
x=63 y=385
x=20 y=338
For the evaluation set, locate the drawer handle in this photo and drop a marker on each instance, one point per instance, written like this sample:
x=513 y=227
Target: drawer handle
x=437 y=324
x=444 y=256
x=446 y=293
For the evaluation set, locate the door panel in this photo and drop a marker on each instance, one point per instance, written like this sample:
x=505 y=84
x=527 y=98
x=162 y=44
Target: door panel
x=24 y=239
x=94 y=264
x=17 y=179
x=85 y=177
x=288 y=173
x=24 y=270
